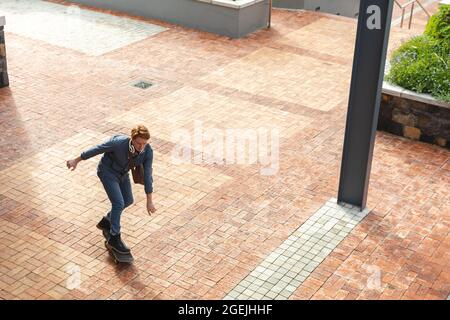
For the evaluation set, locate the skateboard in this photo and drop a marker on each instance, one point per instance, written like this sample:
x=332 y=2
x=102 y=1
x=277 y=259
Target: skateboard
x=117 y=256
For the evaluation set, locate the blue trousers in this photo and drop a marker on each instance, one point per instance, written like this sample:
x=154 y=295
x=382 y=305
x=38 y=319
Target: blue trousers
x=118 y=189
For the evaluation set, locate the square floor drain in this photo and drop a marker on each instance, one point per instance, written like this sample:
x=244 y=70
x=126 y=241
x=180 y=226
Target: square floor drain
x=142 y=84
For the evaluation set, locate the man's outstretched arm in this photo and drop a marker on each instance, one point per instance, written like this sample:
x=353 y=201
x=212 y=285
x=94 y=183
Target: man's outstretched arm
x=98 y=149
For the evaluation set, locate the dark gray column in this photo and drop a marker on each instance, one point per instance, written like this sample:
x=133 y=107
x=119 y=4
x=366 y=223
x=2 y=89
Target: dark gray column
x=364 y=103
x=4 y=81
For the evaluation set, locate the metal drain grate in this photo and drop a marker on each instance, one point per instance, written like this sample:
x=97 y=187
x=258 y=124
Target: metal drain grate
x=142 y=84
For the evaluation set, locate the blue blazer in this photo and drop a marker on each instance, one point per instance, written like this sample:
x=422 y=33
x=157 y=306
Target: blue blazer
x=115 y=158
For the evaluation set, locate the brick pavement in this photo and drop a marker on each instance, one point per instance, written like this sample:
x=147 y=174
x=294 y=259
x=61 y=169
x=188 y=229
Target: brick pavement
x=215 y=222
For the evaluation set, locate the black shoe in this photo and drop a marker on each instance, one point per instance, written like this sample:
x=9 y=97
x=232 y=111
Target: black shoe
x=104 y=224
x=117 y=244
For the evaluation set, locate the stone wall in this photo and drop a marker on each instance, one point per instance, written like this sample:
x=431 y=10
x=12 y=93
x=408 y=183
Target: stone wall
x=416 y=117
x=4 y=81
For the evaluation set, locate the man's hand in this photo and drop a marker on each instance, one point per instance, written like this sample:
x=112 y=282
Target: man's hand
x=150 y=207
x=72 y=164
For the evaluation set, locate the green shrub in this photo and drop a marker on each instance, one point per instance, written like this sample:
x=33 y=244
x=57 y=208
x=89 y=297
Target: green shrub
x=438 y=27
x=423 y=63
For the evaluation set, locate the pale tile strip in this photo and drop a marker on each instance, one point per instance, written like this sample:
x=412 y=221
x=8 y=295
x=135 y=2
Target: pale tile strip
x=285 y=269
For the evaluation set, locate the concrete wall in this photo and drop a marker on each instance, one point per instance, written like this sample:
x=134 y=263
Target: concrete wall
x=253 y=18
x=289 y=4
x=195 y=14
x=348 y=8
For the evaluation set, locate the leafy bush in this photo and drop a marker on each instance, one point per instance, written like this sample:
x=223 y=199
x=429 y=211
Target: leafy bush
x=423 y=63
x=438 y=27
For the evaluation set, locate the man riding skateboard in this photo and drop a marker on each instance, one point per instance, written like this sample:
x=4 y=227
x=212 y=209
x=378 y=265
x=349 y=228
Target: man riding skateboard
x=120 y=154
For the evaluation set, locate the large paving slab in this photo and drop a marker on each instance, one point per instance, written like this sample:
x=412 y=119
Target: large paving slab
x=74 y=28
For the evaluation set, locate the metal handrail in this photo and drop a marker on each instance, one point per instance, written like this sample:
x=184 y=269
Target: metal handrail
x=403 y=7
